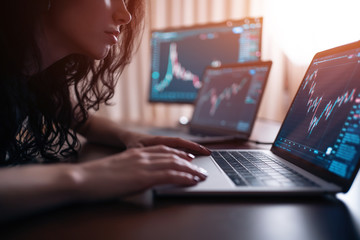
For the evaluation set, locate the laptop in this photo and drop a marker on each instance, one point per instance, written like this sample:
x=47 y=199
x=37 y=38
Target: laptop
x=317 y=148
x=226 y=105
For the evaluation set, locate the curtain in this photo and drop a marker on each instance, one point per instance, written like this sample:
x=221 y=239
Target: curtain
x=293 y=32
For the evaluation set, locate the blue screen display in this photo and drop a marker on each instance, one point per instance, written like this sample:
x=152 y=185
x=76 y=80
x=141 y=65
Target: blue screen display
x=179 y=56
x=323 y=123
x=230 y=97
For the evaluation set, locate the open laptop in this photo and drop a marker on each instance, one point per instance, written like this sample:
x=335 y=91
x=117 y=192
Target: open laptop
x=317 y=149
x=227 y=103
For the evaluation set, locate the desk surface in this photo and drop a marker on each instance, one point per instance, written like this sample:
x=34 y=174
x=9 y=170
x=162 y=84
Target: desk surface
x=199 y=218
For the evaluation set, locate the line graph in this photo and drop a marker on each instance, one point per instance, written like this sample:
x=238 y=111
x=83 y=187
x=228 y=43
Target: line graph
x=226 y=94
x=314 y=102
x=176 y=70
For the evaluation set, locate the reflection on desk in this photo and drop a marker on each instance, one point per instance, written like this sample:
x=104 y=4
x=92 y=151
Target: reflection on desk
x=196 y=218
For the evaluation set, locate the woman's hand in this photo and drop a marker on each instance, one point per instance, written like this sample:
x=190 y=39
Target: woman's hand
x=136 y=140
x=104 y=131
x=149 y=166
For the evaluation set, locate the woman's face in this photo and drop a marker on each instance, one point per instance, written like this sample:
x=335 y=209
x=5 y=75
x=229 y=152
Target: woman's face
x=88 y=27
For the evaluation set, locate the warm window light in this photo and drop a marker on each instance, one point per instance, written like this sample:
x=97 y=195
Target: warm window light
x=308 y=26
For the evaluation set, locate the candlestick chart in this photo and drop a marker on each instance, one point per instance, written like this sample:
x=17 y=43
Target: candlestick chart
x=323 y=123
x=230 y=98
x=321 y=104
x=180 y=55
x=218 y=98
x=319 y=108
x=175 y=70
x=179 y=65
x=226 y=94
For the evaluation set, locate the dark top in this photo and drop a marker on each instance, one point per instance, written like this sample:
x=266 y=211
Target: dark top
x=35 y=119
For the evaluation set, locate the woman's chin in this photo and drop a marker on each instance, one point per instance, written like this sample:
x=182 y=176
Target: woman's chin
x=100 y=55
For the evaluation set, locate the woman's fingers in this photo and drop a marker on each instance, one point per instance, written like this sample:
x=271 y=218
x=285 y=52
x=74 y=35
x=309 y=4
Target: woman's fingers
x=159 y=162
x=168 y=150
x=173 y=177
x=180 y=143
x=173 y=162
x=150 y=166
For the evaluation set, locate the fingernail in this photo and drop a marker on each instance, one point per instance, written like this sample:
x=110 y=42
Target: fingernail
x=204 y=148
x=203 y=172
x=190 y=155
x=197 y=179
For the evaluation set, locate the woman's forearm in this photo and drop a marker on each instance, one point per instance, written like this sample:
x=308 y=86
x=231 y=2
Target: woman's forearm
x=29 y=189
x=104 y=131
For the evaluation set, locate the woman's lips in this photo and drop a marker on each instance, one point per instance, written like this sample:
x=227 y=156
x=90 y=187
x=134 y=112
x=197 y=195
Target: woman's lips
x=113 y=36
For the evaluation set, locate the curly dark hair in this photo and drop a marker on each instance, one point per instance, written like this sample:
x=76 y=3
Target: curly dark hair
x=36 y=110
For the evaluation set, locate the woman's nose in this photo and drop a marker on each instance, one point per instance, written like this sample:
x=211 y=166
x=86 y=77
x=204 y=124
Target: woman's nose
x=121 y=14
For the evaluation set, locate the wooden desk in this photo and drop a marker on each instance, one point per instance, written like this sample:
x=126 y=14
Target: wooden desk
x=198 y=218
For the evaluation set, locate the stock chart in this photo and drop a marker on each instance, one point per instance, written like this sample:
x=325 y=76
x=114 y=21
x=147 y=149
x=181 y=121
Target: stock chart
x=230 y=97
x=180 y=56
x=322 y=124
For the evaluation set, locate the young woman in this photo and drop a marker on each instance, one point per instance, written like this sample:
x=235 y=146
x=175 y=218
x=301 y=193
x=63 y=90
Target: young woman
x=60 y=59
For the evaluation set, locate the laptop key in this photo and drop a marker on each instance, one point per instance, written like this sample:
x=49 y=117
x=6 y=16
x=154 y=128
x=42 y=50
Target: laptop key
x=253 y=181
x=237 y=180
x=272 y=183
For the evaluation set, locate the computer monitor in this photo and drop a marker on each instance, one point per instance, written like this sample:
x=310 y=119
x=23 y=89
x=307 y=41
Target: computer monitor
x=180 y=55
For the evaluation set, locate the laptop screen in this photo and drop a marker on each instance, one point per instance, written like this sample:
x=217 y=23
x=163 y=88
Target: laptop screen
x=230 y=97
x=323 y=122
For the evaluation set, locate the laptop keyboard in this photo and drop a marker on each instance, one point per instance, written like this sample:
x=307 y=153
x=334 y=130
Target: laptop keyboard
x=258 y=169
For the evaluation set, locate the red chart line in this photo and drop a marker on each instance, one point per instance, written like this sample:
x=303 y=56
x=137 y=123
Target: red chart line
x=175 y=69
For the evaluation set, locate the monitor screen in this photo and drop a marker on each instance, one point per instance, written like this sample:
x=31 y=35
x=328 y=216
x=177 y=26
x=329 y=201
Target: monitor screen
x=180 y=55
